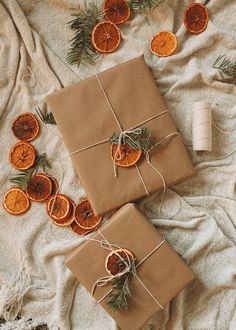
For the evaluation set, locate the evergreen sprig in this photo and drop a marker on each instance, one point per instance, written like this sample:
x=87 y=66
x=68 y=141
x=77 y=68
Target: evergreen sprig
x=81 y=49
x=45 y=117
x=226 y=68
x=118 y=299
x=135 y=141
x=144 y=6
x=21 y=179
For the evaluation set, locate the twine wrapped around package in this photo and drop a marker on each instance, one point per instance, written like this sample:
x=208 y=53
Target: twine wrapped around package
x=202 y=126
x=118 y=100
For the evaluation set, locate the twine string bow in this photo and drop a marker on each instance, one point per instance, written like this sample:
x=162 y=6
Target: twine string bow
x=127 y=261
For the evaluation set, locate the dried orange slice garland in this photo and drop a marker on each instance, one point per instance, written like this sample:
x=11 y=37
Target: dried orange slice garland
x=117 y=11
x=163 y=43
x=15 y=201
x=112 y=264
x=127 y=156
x=39 y=188
x=106 y=37
x=196 y=18
x=26 y=127
x=22 y=156
x=85 y=217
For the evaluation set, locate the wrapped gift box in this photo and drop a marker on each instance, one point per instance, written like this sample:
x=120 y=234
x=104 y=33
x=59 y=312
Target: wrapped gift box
x=84 y=117
x=163 y=273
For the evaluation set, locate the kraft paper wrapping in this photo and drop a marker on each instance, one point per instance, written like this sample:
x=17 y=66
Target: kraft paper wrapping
x=83 y=117
x=164 y=272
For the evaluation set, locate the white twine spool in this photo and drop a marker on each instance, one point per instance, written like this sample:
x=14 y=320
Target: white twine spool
x=202 y=126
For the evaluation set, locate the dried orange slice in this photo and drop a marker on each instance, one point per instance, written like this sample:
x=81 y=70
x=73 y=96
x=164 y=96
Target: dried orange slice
x=22 y=155
x=54 y=184
x=25 y=127
x=56 y=204
x=112 y=264
x=79 y=230
x=85 y=217
x=59 y=209
x=106 y=37
x=196 y=18
x=117 y=11
x=39 y=188
x=163 y=43
x=15 y=201
x=127 y=157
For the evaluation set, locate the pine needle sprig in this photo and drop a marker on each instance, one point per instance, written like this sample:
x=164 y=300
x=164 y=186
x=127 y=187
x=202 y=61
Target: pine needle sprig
x=21 y=179
x=135 y=141
x=118 y=299
x=144 y=6
x=226 y=68
x=45 y=117
x=81 y=49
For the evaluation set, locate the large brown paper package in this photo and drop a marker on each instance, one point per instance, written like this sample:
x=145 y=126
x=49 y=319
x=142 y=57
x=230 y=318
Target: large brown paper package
x=164 y=273
x=84 y=118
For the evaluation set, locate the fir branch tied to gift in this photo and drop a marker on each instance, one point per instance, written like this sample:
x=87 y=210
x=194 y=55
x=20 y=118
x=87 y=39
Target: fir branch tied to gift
x=81 y=49
x=226 y=68
x=118 y=299
x=21 y=179
x=45 y=117
x=137 y=139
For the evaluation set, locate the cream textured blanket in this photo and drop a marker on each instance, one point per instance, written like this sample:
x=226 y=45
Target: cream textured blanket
x=199 y=216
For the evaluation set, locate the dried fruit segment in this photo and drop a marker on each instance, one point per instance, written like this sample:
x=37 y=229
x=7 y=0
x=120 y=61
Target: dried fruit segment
x=22 y=156
x=60 y=209
x=196 y=18
x=79 y=230
x=39 y=188
x=127 y=155
x=106 y=37
x=25 y=127
x=117 y=260
x=15 y=201
x=117 y=11
x=54 y=184
x=163 y=43
x=85 y=217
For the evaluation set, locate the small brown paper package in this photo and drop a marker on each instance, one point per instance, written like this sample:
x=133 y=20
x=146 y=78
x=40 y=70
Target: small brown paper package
x=84 y=115
x=163 y=273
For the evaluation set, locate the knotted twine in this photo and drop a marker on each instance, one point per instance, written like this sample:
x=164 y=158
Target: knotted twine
x=104 y=243
x=125 y=133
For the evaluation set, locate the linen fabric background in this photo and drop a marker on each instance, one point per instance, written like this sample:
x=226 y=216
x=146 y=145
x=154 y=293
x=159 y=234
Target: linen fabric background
x=198 y=216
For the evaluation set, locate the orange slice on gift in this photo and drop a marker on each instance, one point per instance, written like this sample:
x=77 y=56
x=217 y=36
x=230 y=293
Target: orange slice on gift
x=106 y=37
x=196 y=18
x=163 y=43
x=15 y=201
x=117 y=11
x=26 y=127
x=61 y=209
x=22 y=156
x=114 y=264
x=127 y=155
x=39 y=188
x=85 y=217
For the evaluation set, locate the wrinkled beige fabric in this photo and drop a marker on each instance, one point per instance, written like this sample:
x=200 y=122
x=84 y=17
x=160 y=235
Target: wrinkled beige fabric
x=198 y=216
